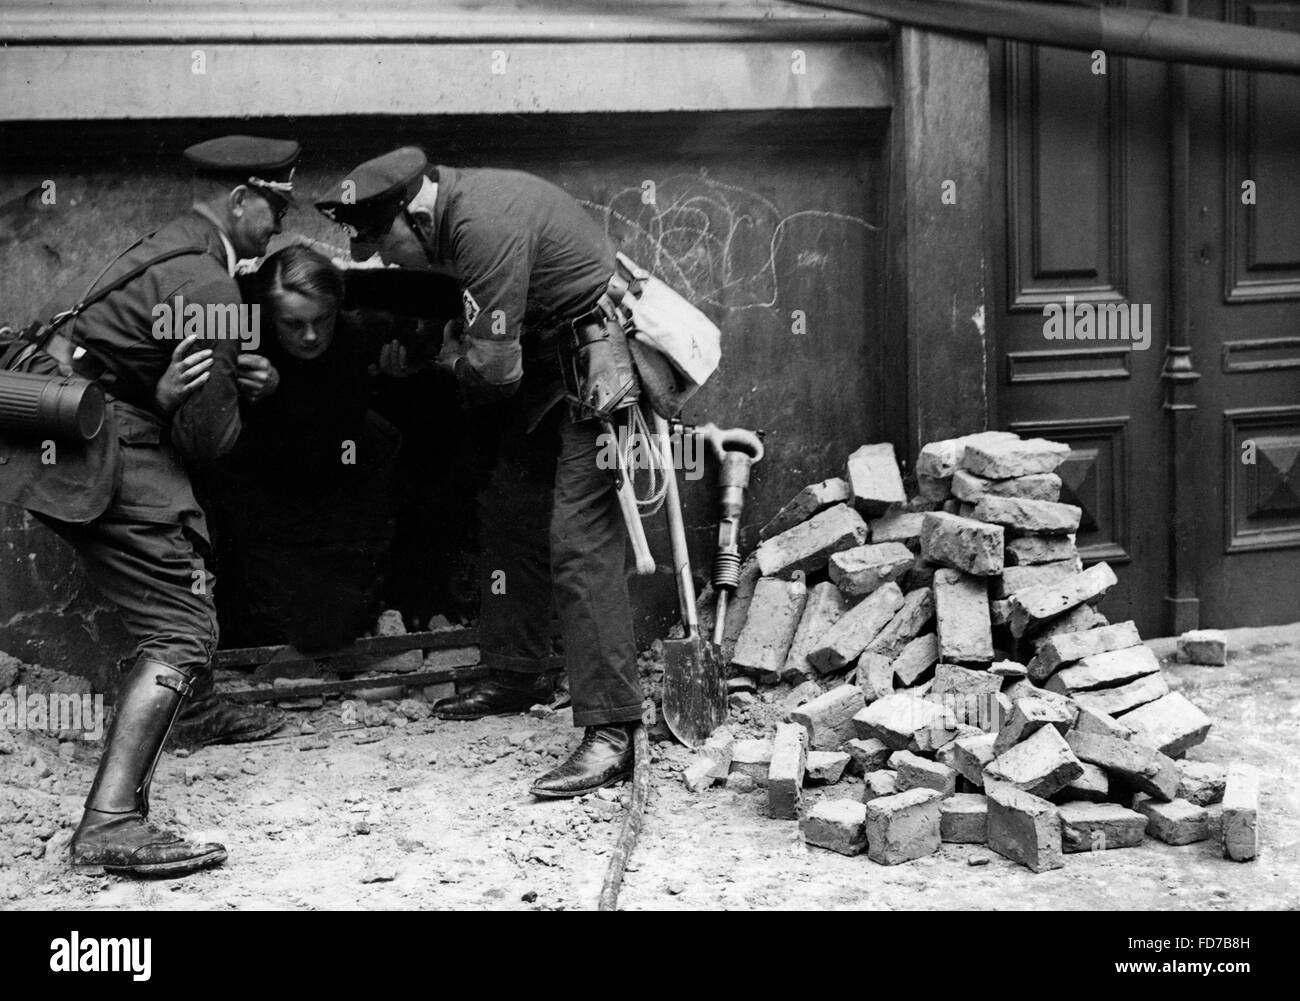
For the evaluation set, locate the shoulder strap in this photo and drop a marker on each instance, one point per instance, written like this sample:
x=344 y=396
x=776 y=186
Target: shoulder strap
x=92 y=297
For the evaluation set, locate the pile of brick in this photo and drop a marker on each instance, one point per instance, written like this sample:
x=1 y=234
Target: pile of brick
x=946 y=648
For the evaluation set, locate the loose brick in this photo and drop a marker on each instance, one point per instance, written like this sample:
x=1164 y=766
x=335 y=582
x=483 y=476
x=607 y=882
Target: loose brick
x=1027 y=716
x=1037 y=486
x=1202 y=782
x=826 y=603
x=828 y=719
x=1001 y=460
x=916 y=658
x=786 y=771
x=1041 y=764
x=1177 y=822
x=1077 y=619
x=1170 y=724
x=1064 y=648
x=825 y=767
x=874 y=478
x=999 y=611
x=1031 y=550
x=857 y=627
x=1009 y=669
x=961 y=608
x=718 y=750
x=898 y=526
x=1093 y=786
x=1091 y=827
x=698 y=775
x=903 y=827
x=896 y=719
x=1025 y=829
x=917 y=613
x=879 y=783
x=800 y=695
x=961 y=543
x=1023 y=689
x=964 y=819
x=1115 y=667
x=862 y=569
x=971 y=755
x=836 y=824
x=867 y=756
x=916 y=772
x=1036 y=606
x=1095 y=721
x=1203 y=646
x=752 y=758
x=1143 y=767
x=808 y=546
x=1015 y=579
x=769 y=629
x=1117 y=701
x=738 y=609
x=943 y=458
x=875 y=676
x=1038 y=516
x=963 y=680
x=1240 y=813
x=811 y=500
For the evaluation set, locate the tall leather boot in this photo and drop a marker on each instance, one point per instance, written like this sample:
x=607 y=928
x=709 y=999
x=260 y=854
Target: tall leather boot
x=113 y=832
x=207 y=718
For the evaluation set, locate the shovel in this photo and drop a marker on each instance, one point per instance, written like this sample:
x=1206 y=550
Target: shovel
x=695 y=691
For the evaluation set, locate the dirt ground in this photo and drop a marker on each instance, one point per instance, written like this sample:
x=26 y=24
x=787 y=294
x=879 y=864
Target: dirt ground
x=413 y=813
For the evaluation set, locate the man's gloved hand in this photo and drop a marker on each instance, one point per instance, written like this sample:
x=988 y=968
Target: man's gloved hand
x=188 y=370
x=258 y=378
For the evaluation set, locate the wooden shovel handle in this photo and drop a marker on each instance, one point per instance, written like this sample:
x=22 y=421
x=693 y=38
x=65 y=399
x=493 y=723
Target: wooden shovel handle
x=677 y=531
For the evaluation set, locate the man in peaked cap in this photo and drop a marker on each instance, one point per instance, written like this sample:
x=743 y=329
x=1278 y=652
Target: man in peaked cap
x=126 y=503
x=531 y=263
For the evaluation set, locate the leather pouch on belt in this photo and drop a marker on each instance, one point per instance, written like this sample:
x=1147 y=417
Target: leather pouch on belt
x=598 y=372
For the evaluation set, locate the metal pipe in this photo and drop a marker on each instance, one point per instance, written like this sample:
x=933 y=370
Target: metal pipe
x=1115 y=31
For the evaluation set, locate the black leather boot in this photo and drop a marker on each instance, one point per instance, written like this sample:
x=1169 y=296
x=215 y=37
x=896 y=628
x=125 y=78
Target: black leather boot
x=113 y=832
x=209 y=719
x=605 y=756
x=500 y=693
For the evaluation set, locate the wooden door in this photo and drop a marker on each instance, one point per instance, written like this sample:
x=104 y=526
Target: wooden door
x=1079 y=155
x=1243 y=262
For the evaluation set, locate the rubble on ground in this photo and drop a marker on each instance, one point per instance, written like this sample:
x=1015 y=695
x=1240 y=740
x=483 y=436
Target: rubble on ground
x=951 y=679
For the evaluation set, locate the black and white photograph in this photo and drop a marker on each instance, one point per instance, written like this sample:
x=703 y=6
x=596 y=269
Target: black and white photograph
x=651 y=455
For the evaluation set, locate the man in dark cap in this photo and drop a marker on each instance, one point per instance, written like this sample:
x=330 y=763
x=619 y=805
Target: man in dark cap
x=530 y=263
x=126 y=504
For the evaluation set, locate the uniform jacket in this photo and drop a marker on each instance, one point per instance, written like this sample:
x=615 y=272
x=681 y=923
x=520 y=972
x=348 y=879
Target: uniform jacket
x=135 y=464
x=527 y=256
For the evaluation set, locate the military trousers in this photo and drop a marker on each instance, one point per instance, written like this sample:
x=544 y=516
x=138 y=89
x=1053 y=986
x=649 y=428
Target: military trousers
x=145 y=553
x=553 y=537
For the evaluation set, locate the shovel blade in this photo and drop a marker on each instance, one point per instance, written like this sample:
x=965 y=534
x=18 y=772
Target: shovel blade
x=695 y=691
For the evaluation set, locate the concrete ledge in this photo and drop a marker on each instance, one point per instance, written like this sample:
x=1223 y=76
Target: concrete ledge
x=197 y=80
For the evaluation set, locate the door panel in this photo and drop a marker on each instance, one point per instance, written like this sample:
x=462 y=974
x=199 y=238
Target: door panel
x=1245 y=330
x=1080 y=156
